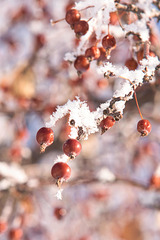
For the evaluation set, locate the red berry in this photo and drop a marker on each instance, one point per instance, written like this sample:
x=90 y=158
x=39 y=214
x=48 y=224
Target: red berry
x=61 y=170
x=15 y=234
x=72 y=16
x=108 y=42
x=103 y=54
x=144 y=127
x=45 y=137
x=81 y=28
x=72 y=148
x=107 y=123
x=155 y=181
x=92 y=53
x=131 y=64
x=3 y=226
x=60 y=212
x=81 y=63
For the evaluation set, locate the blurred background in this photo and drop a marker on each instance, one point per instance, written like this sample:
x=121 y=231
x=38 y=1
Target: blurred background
x=113 y=192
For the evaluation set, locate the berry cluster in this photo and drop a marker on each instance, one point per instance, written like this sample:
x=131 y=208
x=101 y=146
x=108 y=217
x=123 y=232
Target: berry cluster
x=82 y=62
x=71 y=147
x=73 y=18
x=81 y=27
x=61 y=171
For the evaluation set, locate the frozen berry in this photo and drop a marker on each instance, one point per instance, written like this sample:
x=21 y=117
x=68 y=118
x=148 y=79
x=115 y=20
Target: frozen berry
x=15 y=234
x=72 y=16
x=81 y=63
x=144 y=127
x=60 y=212
x=92 y=53
x=61 y=170
x=45 y=137
x=107 y=123
x=131 y=64
x=81 y=28
x=108 y=42
x=72 y=147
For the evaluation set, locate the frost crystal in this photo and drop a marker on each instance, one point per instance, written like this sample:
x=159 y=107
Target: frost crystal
x=59 y=194
x=138 y=27
x=106 y=175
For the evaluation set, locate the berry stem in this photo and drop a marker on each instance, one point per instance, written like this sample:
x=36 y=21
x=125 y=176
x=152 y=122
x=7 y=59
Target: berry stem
x=108 y=28
x=135 y=96
x=119 y=21
x=54 y=22
x=146 y=49
x=89 y=19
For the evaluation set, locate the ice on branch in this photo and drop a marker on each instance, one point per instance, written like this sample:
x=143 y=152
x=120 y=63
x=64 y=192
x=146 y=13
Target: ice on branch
x=79 y=110
x=147 y=6
x=150 y=64
x=139 y=27
x=97 y=5
x=80 y=113
x=12 y=175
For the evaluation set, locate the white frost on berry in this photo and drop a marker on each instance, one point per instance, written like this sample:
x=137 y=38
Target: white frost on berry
x=59 y=194
x=61 y=158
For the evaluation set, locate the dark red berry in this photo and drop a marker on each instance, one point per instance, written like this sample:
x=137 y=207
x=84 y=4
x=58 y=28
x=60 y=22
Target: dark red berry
x=144 y=127
x=81 y=28
x=72 y=148
x=92 y=53
x=131 y=64
x=60 y=212
x=72 y=16
x=15 y=234
x=61 y=170
x=107 y=123
x=103 y=54
x=109 y=42
x=45 y=137
x=81 y=63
